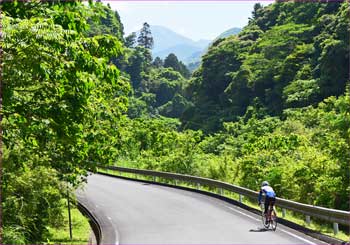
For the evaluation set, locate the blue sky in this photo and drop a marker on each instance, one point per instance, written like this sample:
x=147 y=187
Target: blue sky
x=193 y=19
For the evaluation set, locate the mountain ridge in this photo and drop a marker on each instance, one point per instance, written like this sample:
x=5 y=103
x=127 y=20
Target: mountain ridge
x=187 y=50
x=167 y=41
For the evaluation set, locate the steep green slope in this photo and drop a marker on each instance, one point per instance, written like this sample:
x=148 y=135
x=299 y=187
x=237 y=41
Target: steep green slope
x=289 y=55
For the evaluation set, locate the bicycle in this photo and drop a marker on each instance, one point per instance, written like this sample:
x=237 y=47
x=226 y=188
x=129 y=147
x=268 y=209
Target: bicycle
x=271 y=217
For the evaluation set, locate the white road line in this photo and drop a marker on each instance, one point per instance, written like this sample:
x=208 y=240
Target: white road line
x=296 y=236
x=287 y=232
x=243 y=213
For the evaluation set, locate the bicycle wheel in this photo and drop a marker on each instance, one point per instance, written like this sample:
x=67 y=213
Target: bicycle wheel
x=265 y=224
x=273 y=220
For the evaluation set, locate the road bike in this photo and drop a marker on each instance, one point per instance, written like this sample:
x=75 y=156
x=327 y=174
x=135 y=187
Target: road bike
x=271 y=217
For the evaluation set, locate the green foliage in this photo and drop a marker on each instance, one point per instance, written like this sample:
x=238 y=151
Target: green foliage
x=49 y=95
x=273 y=97
x=206 y=88
x=138 y=107
x=81 y=229
x=160 y=90
x=175 y=107
x=172 y=61
x=137 y=64
x=158 y=62
x=30 y=202
x=290 y=55
x=62 y=104
x=301 y=92
x=104 y=21
x=304 y=156
x=13 y=235
x=130 y=41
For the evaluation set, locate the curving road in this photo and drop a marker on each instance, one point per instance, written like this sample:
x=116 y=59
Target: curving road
x=140 y=213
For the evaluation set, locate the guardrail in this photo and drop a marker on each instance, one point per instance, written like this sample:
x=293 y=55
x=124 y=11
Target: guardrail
x=327 y=214
x=95 y=226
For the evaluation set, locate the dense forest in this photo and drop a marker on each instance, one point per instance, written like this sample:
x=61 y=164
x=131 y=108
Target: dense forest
x=272 y=102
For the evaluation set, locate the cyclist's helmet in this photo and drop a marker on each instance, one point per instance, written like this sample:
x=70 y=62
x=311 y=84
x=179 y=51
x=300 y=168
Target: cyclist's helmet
x=264 y=183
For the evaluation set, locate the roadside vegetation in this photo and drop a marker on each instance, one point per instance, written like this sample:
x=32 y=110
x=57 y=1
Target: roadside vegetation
x=81 y=230
x=272 y=102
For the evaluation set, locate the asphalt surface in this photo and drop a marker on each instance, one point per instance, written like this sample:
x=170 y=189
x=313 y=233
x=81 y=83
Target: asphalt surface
x=140 y=213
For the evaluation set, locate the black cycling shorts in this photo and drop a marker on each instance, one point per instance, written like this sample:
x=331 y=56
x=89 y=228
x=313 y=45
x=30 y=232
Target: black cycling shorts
x=268 y=201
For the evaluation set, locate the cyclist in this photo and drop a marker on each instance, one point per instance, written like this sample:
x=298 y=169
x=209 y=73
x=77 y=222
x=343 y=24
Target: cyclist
x=270 y=196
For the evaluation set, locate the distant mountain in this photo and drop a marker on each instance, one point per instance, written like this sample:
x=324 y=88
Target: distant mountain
x=184 y=52
x=167 y=41
x=229 y=32
x=196 y=56
x=203 y=43
x=165 y=38
x=188 y=51
x=193 y=61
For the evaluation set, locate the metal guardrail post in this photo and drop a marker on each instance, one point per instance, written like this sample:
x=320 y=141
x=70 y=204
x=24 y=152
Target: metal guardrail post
x=335 y=228
x=69 y=216
x=154 y=178
x=176 y=183
x=240 y=198
x=308 y=219
x=283 y=212
x=198 y=186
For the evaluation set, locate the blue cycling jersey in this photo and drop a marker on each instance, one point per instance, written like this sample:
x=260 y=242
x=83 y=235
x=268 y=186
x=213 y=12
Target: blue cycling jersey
x=269 y=192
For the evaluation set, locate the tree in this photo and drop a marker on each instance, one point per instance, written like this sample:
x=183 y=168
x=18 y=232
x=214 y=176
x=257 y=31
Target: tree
x=256 y=12
x=158 y=62
x=104 y=20
x=145 y=38
x=62 y=100
x=172 y=61
x=138 y=64
x=130 y=40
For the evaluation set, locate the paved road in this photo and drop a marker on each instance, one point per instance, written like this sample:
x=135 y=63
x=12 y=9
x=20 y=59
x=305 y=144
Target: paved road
x=141 y=213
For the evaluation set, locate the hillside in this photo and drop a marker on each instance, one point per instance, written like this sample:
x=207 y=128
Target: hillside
x=275 y=62
x=271 y=102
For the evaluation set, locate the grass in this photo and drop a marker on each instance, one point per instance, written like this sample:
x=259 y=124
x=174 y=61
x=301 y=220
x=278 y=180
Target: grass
x=80 y=229
x=324 y=228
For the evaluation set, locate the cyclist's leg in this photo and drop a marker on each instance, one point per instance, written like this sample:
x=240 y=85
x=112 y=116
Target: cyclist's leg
x=272 y=203
x=273 y=214
x=267 y=203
